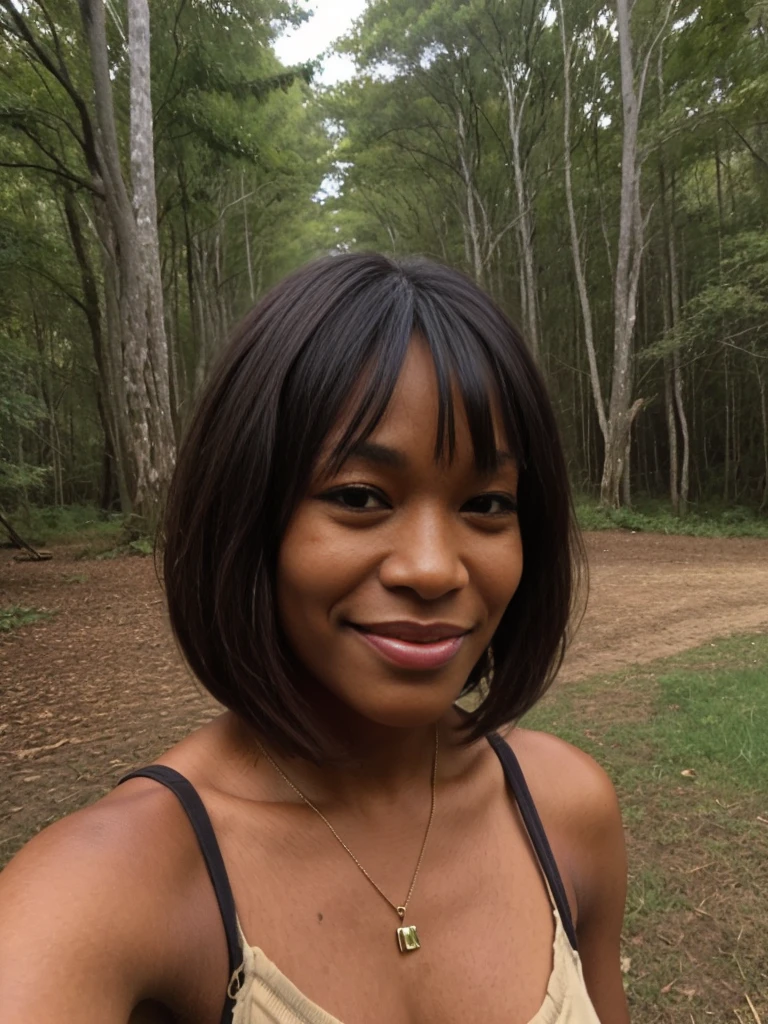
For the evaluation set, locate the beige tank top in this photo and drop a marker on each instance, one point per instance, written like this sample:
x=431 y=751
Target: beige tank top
x=266 y=996
x=259 y=993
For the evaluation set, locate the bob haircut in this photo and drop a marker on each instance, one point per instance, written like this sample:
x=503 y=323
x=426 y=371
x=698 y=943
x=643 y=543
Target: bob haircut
x=325 y=348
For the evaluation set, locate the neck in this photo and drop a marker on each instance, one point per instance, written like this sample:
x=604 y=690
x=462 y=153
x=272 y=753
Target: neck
x=378 y=763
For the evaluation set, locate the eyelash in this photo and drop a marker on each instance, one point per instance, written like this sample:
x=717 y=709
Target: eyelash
x=334 y=496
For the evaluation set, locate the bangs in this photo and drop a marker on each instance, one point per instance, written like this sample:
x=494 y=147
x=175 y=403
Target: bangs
x=464 y=369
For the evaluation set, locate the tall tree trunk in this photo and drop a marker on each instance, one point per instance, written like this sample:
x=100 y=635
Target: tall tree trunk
x=472 y=226
x=677 y=373
x=727 y=469
x=247 y=237
x=621 y=410
x=685 y=470
x=625 y=312
x=108 y=410
x=138 y=348
x=525 y=226
x=669 y=406
x=151 y=350
x=764 y=420
x=578 y=263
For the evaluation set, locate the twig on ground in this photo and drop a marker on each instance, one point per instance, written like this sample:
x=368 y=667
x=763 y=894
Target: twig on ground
x=741 y=972
x=755 y=1014
x=702 y=913
x=701 y=867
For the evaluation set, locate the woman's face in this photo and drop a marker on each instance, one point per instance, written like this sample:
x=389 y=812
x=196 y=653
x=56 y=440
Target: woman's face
x=394 y=572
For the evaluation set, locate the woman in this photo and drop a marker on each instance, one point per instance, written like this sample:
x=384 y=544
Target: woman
x=370 y=519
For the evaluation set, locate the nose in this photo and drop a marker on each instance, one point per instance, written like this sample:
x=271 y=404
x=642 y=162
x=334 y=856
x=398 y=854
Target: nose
x=425 y=556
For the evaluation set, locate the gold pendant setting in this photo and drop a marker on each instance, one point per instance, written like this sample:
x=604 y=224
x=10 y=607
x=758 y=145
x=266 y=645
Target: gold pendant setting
x=407 y=936
x=408 y=939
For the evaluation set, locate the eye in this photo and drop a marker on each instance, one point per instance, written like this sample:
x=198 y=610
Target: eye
x=491 y=505
x=356 y=499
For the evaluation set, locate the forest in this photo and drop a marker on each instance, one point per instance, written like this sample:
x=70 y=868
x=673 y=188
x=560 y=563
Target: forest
x=600 y=167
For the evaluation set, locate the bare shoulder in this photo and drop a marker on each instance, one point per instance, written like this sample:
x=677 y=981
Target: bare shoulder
x=565 y=782
x=89 y=909
x=580 y=811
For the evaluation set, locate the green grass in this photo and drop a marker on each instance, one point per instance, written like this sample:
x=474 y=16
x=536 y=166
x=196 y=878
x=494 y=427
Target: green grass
x=686 y=743
x=656 y=517
x=93 y=533
x=70 y=524
x=16 y=616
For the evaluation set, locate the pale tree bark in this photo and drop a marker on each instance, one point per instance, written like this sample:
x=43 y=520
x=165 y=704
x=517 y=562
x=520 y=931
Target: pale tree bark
x=621 y=409
x=677 y=377
x=673 y=375
x=247 y=237
x=472 y=227
x=138 y=352
x=516 y=106
x=151 y=348
x=578 y=261
x=674 y=458
x=727 y=469
x=764 y=420
x=517 y=30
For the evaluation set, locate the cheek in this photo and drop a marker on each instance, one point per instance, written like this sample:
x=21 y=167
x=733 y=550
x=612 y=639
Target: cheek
x=315 y=569
x=498 y=575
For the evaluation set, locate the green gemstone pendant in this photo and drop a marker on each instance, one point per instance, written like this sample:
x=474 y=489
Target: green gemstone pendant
x=407 y=936
x=408 y=939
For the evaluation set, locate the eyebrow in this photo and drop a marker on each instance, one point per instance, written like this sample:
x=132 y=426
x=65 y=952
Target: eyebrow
x=379 y=454
x=393 y=458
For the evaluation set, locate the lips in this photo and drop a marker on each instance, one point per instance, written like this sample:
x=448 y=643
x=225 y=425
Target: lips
x=414 y=645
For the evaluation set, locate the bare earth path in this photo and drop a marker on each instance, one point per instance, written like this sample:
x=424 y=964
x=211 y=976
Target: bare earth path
x=100 y=687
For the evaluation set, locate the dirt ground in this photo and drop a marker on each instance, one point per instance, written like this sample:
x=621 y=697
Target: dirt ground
x=100 y=688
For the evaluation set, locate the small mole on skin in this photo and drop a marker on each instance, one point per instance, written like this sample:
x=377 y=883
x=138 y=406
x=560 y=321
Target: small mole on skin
x=319 y=917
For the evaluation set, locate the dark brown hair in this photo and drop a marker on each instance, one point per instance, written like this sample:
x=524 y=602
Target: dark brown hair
x=341 y=327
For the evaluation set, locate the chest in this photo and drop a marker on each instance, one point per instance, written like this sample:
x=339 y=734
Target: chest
x=480 y=907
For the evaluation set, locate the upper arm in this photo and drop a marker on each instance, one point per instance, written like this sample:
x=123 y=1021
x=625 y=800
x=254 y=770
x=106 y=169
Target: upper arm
x=74 y=940
x=601 y=889
x=580 y=811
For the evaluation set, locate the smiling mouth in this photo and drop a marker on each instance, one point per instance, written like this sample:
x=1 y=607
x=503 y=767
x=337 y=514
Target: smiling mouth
x=412 y=645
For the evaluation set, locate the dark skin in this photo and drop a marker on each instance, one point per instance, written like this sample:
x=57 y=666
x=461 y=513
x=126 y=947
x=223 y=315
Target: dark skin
x=108 y=916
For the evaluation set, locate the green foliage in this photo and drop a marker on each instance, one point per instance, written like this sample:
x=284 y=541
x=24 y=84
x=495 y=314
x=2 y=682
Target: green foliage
x=655 y=517
x=20 y=411
x=259 y=170
x=44 y=525
x=732 y=307
x=16 y=616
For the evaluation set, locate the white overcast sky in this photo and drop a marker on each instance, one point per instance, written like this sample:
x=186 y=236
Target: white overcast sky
x=331 y=19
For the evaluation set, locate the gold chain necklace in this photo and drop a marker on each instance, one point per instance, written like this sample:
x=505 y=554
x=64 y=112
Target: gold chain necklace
x=407 y=936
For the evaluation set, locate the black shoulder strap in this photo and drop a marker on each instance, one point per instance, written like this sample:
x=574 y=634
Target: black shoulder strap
x=516 y=781
x=201 y=823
